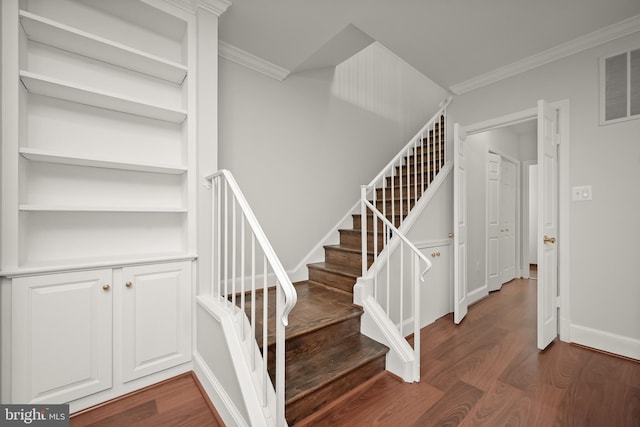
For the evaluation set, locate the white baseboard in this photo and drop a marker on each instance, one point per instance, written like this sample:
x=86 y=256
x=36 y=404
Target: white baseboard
x=476 y=295
x=606 y=341
x=220 y=399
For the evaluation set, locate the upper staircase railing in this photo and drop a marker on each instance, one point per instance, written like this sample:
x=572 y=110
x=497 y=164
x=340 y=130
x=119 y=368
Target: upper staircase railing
x=385 y=205
x=243 y=263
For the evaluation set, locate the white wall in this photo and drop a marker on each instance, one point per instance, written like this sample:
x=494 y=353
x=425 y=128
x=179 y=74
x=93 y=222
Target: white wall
x=301 y=148
x=604 y=233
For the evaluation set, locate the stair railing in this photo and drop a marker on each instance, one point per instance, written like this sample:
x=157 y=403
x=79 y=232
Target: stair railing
x=385 y=204
x=243 y=266
x=405 y=281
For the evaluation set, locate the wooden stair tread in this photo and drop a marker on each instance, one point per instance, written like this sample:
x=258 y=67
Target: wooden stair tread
x=318 y=306
x=306 y=375
x=337 y=268
x=347 y=249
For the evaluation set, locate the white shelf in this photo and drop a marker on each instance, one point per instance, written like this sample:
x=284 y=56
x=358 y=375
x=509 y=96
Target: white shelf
x=114 y=209
x=52 y=157
x=52 y=33
x=55 y=88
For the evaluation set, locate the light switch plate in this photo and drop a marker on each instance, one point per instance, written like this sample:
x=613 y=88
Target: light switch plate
x=581 y=193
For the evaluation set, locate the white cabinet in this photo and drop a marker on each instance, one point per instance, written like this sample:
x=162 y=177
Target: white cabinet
x=156 y=318
x=79 y=333
x=61 y=336
x=436 y=297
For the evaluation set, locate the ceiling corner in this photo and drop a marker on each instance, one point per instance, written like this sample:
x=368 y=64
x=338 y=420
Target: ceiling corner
x=588 y=41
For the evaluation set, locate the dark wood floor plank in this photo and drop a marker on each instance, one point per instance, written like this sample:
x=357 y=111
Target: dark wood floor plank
x=178 y=401
x=502 y=405
x=452 y=407
x=487 y=371
x=382 y=401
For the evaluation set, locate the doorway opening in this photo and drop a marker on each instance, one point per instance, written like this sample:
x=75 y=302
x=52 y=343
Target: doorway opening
x=553 y=208
x=498 y=195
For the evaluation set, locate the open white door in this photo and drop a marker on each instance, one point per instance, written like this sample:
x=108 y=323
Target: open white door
x=493 y=222
x=547 y=225
x=459 y=225
x=507 y=221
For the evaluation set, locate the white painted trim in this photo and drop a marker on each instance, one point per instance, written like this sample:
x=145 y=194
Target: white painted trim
x=526 y=220
x=598 y=37
x=507 y=120
x=606 y=341
x=477 y=294
x=217 y=7
x=255 y=63
x=216 y=393
x=564 y=207
x=376 y=325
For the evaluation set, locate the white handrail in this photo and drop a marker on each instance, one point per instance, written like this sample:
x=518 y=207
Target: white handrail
x=396 y=232
x=227 y=247
x=392 y=163
x=290 y=294
x=401 y=183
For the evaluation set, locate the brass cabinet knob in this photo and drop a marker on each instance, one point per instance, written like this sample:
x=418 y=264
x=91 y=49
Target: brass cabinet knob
x=128 y=284
x=450 y=235
x=437 y=253
x=433 y=255
x=548 y=239
x=106 y=288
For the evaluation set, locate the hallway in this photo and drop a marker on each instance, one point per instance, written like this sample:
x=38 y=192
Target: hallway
x=488 y=371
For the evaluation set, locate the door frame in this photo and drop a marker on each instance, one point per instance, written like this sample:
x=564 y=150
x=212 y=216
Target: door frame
x=564 y=199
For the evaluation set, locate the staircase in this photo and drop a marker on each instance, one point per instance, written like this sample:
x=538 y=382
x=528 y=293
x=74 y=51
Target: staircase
x=326 y=355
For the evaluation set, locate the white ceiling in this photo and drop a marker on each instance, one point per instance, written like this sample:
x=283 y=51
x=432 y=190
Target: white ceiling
x=449 y=41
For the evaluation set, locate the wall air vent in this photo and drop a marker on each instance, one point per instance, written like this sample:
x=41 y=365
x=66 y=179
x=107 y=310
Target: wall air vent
x=620 y=87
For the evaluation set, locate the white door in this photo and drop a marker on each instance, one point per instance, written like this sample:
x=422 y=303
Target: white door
x=493 y=222
x=156 y=320
x=507 y=221
x=547 y=225
x=61 y=336
x=459 y=224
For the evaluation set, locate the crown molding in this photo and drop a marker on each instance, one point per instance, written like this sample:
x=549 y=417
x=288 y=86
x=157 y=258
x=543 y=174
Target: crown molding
x=603 y=35
x=251 y=61
x=217 y=7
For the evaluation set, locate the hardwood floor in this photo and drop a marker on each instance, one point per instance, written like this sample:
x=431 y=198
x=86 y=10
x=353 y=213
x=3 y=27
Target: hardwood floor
x=487 y=371
x=179 y=401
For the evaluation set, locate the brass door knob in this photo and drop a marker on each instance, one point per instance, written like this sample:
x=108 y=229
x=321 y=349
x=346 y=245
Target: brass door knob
x=548 y=239
x=128 y=284
x=106 y=288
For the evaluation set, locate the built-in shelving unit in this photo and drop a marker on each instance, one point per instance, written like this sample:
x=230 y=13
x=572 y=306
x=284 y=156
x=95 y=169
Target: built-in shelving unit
x=98 y=194
x=102 y=160
x=47 y=31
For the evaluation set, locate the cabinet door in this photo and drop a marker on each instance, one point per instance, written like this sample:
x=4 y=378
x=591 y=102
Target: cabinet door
x=156 y=318
x=436 y=293
x=61 y=336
